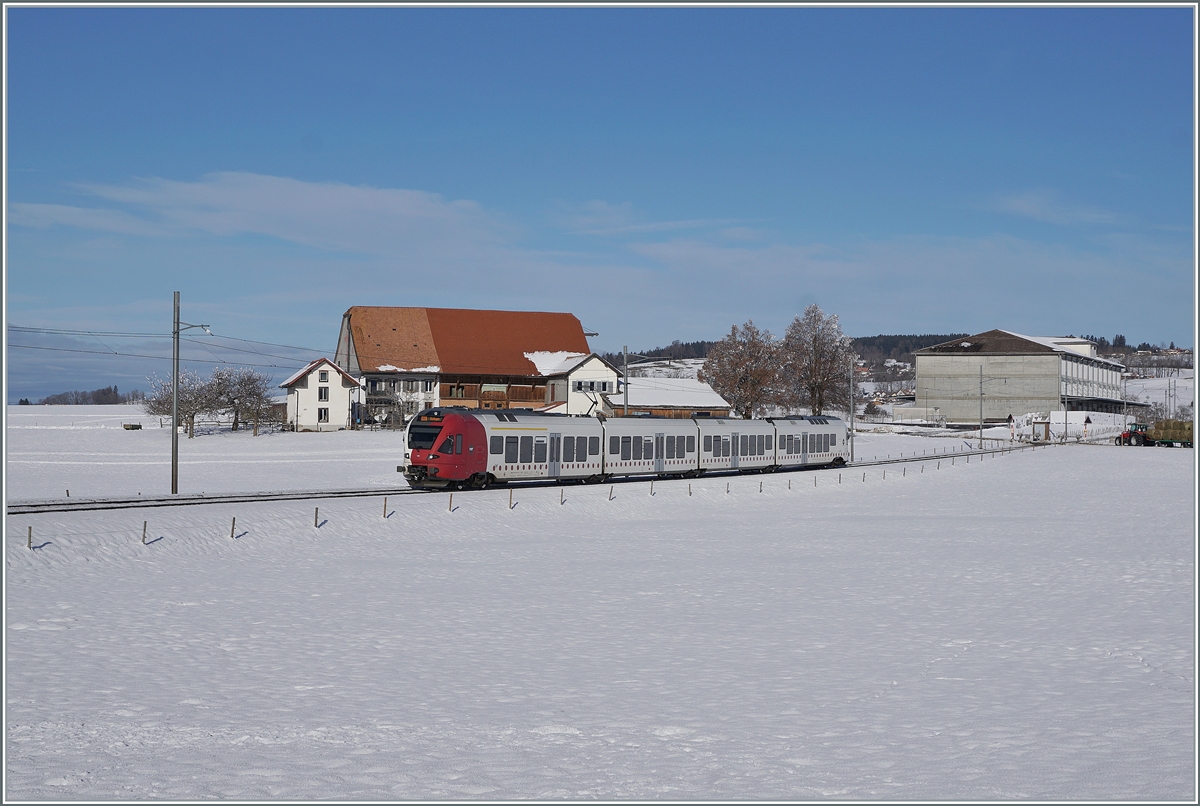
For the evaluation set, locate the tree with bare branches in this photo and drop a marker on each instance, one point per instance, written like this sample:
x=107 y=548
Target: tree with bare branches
x=195 y=397
x=741 y=368
x=815 y=359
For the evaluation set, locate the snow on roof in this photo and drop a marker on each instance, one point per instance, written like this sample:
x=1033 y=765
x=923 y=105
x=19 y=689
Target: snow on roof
x=391 y=368
x=312 y=365
x=1065 y=344
x=556 y=363
x=672 y=392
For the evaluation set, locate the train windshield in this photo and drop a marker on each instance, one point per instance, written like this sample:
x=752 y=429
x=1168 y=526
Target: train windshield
x=423 y=435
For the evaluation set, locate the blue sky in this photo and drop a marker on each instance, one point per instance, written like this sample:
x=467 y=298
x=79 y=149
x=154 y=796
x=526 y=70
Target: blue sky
x=661 y=173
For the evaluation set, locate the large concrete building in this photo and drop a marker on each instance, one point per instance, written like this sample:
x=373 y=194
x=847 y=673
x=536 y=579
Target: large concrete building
x=1011 y=374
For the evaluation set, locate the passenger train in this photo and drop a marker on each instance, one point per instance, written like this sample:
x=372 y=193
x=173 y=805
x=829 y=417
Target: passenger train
x=457 y=448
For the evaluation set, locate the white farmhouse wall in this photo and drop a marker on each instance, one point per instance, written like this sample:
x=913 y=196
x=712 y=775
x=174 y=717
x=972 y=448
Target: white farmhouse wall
x=304 y=404
x=591 y=373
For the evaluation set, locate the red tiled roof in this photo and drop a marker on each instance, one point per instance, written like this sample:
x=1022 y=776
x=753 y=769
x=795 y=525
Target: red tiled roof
x=460 y=341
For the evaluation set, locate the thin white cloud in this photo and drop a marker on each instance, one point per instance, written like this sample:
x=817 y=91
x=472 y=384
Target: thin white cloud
x=327 y=215
x=1044 y=205
x=41 y=216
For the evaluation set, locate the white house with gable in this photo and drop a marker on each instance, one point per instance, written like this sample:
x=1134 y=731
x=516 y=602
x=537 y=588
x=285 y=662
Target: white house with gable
x=575 y=382
x=320 y=397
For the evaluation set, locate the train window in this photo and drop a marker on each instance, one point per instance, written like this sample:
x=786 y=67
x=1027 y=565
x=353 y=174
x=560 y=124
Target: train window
x=539 y=449
x=708 y=443
x=423 y=436
x=724 y=446
x=497 y=445
x=626 y=448
x=568 y=449
x=745 y=445
x=648 y=448
x=458 y=443
x=447 y=445
x=594 y=446
x=581 y=450
x=526 y=450
x=614 y=445
x=670 y=446
x=691 y=444
x=804 y=443
x=762 y=444
x=510 y=450
x=770 y=441
x=637 y=448
x=832 y=440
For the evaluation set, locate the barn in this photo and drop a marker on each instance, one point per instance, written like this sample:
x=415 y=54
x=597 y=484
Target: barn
x=409 y=359
x=1000 y=373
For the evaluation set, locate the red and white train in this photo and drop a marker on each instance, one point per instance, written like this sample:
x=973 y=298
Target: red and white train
x=454 y=448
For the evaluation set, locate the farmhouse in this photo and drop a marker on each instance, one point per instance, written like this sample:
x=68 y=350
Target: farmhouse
x=410 y=359
x=320 y=397
x=1012 y=375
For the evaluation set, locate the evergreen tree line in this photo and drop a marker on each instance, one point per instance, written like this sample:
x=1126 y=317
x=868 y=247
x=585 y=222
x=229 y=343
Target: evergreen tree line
x=98 y=397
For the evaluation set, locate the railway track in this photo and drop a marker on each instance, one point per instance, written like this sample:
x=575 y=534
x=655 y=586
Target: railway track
x=51 y=505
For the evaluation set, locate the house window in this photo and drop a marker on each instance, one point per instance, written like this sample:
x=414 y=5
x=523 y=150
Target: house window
x=323 y=393
x=323 y=376
x=429 y=386
x=410 y=386
x=322 y=415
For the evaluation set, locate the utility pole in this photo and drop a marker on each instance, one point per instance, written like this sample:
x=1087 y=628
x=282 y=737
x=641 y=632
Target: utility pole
x=981 y=407
x=175 y=331
x=175 y=399
x=852 y=407
x=625 y=352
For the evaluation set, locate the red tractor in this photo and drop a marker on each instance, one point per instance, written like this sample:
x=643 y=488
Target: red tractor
x=1134 y=435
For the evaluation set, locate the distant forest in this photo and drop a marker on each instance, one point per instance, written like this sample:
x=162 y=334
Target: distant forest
x=874 y=350
x=97 y=397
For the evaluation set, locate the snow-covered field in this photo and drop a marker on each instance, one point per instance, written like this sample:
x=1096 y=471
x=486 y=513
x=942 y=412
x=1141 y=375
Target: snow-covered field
x=1016 y=627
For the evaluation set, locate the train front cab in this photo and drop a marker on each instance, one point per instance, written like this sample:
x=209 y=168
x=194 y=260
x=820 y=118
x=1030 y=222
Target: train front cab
x=445 y=449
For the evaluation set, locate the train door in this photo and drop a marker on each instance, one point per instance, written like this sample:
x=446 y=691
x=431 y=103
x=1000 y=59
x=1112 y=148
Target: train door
x=804 y=448
x=555 y=459
x=733 y=454
x=658 y=453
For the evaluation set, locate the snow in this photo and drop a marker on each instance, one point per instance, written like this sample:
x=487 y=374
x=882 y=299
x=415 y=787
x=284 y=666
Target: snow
x=554 y=363
x=660 y=391
x=1017 y=627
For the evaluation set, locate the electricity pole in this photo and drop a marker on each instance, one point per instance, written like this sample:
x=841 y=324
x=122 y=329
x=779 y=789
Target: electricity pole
x=175 y=331
x=625 y=352
x=852 y=407
x=981 y=407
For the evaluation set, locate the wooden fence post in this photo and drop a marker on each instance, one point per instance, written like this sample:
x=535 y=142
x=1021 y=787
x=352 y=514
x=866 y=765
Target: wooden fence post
x=233 y=528
x=316 y=510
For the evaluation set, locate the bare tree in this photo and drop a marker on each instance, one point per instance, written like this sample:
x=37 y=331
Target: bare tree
x=241 y=391
x=815 y=360
x=195 y=397
x=741 y=368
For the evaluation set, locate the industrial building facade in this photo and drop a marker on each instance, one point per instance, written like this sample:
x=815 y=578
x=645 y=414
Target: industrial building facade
x=1008 y=374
